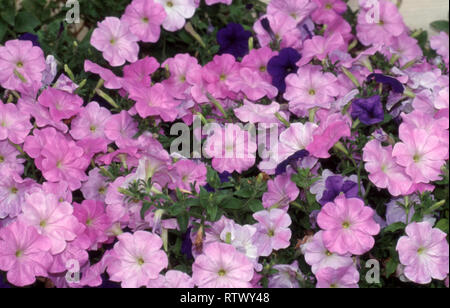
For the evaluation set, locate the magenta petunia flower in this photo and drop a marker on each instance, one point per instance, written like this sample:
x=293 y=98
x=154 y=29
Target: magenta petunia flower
x=20 y=62
x=51 y=218
x=62 y=105
x=319 y=257
x=273 y=231
x=179 y=67
x=222 y=266
x=90 y=122
x=344 y=277
x=137 y=259
x=384 y=172
x=138 y=74
x=424 y=252
x=177 y=12
x=310 y=88
x=145 y=18
x=421 y=153
x=114 y=39
x=14 y=124
x=24 y=254
x=111 y=80
x=92 y=215
x=231 y=148
x=281 y=192
x=348 y=226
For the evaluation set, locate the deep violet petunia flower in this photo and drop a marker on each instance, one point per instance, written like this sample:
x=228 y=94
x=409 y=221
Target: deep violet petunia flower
x=292 y=160
x=368 y=110
x=233 y=39
x=24 y=254
x=145 y=18
x=348 y=226
x=335 y=185
x=222 y=266
x=395 y=85
x=424 y=253
x=279 y=67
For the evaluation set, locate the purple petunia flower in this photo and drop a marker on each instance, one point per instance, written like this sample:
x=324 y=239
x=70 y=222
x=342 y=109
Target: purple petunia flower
x=335 y=185
x=396 y=85
x=281 y=66
x=368 y=110
x=233 y=39
x=30 y=37
x=291 y=161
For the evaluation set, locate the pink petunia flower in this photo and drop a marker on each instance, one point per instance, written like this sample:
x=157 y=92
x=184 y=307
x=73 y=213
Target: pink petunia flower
x=344 y=277
x=114 y=39
x=24 y=254
x=287 y=276
x=421 y=154
x=51 y=218
x=273 y=231
x=348 y=226
x=211 y=2
x=9 y=160
x=62 y=105
x=372 y=31
x=137 y=259
x=121 y=128
x=284 y=30
x=217 y=72
x=319 y=257
x=139 y=73
x=424 y=253
x=95 y=187
x=145 y=18
x=172 y=279
x=257 y=60
x=177 y=12
x=295 y=9
x=231 y=148
x=186 y=173
x=257 y=113
x=310 y=88
x=111 y=80
x=154 y=101
x=92 y=215
x=90 y=123
x=440 y=44
x=179 y=66
x=328 y=11
x=251 y=84
x=384 y=172
x=14 y=124
x=281 y=192
x=320 y=47
x=221 y=266
x=12 y=194
x=20 y=62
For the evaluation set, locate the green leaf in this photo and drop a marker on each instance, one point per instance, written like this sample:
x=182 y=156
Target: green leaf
x=255 y=205
x=232 y=204
x=440 y=25
x=443 y=225
x=8 y=14
x=183 y=221
x=26 y=22
x=391 y=267
x=394 y=227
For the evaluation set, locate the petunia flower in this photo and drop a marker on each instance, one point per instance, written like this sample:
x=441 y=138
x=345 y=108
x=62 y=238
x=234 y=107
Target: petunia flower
x=186 y=173
x=12 y=194
x=344 y=277
x=286 y=277
x=335 y=186
x=298 y=10
x=368 y=110
x=172 y=279
x=348 y=226
x=14 y=124
x=424 y=253
x=24 y=254
x=62 y=105
x=281 y=192
x=137 y=258
x=177 y=12
x=251 y=84
x=114 y=38
x=222 y=266
x=440 y=44
x=9 y=160
x=20 y=63
x=279 y=67
x=233 y=40
x=273 y=231
x=145 y=18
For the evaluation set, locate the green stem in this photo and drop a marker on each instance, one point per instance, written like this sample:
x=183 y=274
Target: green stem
x=217 y=104
x=282 y=120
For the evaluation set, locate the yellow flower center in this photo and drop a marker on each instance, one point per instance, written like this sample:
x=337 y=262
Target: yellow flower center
x=169 y=4
x=222 y=273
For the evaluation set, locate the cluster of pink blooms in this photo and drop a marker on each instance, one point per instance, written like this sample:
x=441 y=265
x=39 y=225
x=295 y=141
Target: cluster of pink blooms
x=72 y=142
